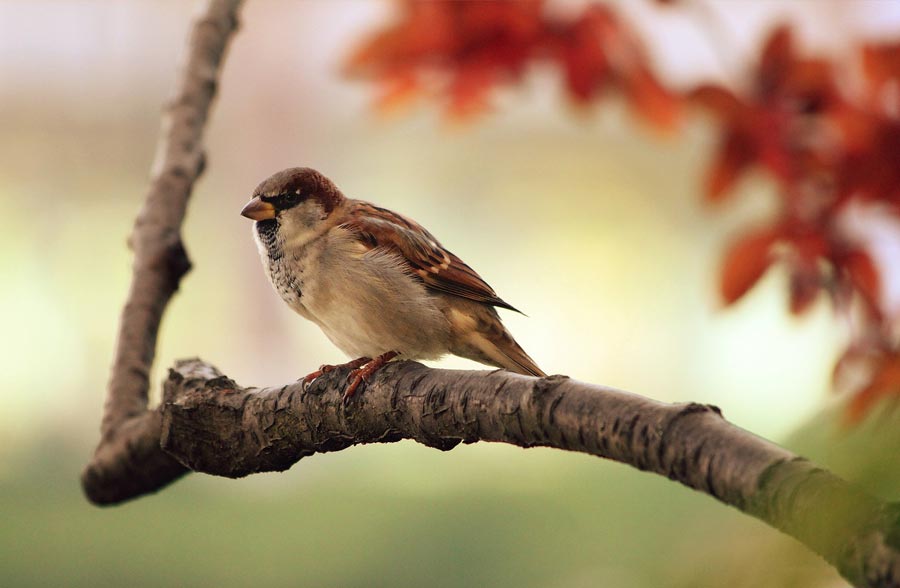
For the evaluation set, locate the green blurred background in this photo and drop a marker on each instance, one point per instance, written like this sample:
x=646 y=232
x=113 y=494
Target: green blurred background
x=588 y=222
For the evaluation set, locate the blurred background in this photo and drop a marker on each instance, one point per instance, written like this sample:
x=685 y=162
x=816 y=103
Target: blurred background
x=588 y=221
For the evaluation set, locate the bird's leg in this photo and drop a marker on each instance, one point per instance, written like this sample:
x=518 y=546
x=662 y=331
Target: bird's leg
x=324 y=369
x=363 y=372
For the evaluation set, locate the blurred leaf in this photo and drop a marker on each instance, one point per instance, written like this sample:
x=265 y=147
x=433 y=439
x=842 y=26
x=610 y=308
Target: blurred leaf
x=881 y=65
x=805 y=285
x=735 y=155
x=864 y=275
x=464 y=50
x=775 y=61
x=651 y=101
x=584 y=61
x=398 y=90
x=885 y=382
x=717 y=100
x=745 y=262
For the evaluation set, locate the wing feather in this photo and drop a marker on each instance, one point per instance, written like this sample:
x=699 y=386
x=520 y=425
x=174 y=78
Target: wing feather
x=438 y=268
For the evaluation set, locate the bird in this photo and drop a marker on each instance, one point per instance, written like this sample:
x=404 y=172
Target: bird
x=377 y=283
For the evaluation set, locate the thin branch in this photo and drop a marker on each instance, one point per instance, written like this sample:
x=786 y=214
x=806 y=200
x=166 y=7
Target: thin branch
x=160 y=259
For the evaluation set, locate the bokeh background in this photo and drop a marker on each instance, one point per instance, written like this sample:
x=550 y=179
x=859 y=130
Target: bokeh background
x=585 y=220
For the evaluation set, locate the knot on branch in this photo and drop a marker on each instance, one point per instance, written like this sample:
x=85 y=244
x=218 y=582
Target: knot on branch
x=159 y=250
x=175 y=260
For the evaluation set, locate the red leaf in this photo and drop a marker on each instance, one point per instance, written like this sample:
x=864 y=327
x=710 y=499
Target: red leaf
x=488 y=19
x=718 y=100
x=736 y=153
x=881 y=64
x=869 y=169
x=469 y=90
x=774 y=149
x=809 y=246
x=398 y=90
x=745 y=262
x=425 y=30
x=776 y=60
x=810 y=84
x=885 y=382
x=863 y=275
x=583 y=57
x=650 y=100
x=856 y=359
x=805 y=284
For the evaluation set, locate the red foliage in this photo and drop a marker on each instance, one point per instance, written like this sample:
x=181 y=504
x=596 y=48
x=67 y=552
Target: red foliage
x=745 y=262
x=863 y=275
x=766 y=126
x=825 y=148
x=825 y=151
x=463 y=50
x=884 y=381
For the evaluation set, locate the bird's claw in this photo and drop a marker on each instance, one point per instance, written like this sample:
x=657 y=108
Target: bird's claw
x=307 y=381
x=355 y=379
x=362 y=373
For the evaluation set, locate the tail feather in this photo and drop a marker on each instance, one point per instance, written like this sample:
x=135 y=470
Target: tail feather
x=484 y=339
x=517 y=360
x=502 y=351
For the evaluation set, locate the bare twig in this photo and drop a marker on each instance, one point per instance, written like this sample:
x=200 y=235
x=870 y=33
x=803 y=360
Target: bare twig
x=160 y=259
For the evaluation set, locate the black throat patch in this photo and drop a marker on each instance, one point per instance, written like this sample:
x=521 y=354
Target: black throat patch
x=282 y=274
x=268 y=236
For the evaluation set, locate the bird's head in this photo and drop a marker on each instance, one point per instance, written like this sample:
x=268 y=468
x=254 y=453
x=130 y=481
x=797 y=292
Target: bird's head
x=298 y=200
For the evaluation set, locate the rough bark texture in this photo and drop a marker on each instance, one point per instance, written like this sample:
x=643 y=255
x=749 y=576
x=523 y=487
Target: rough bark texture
x=160 y=261
x=212 y=425
x=207 y=423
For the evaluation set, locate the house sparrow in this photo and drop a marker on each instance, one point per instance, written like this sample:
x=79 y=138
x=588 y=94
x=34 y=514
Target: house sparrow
x=377 y=283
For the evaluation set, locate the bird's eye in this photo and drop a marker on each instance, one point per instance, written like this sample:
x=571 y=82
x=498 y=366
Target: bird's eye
x=291 y=198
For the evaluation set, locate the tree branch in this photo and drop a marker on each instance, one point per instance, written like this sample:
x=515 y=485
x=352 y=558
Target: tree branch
x=160 y=259
x=210 y=424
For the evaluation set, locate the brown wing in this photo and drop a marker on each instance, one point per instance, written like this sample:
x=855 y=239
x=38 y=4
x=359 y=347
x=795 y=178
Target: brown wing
x=438 y=268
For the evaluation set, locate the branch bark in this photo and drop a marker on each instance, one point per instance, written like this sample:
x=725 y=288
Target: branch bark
x=210 y=424
x=160 y=260
x=207 y=423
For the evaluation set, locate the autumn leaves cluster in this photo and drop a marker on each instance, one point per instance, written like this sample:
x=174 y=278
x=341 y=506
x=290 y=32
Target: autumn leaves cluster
x=827 y=137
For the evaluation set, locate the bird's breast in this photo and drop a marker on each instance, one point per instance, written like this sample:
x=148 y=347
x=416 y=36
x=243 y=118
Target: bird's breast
x=366 y=302
x=283 y=270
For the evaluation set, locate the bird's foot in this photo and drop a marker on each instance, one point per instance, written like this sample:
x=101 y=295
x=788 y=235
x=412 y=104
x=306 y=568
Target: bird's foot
x=309 y=378
x=364 y=371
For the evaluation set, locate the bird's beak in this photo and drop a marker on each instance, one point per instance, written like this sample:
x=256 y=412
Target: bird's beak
x=258 y=210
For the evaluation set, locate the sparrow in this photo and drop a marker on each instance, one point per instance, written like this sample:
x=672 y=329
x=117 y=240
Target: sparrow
x=377 y=283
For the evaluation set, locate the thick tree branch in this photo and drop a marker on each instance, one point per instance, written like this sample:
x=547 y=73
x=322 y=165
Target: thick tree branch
x=160 y=259
x=212 y=425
